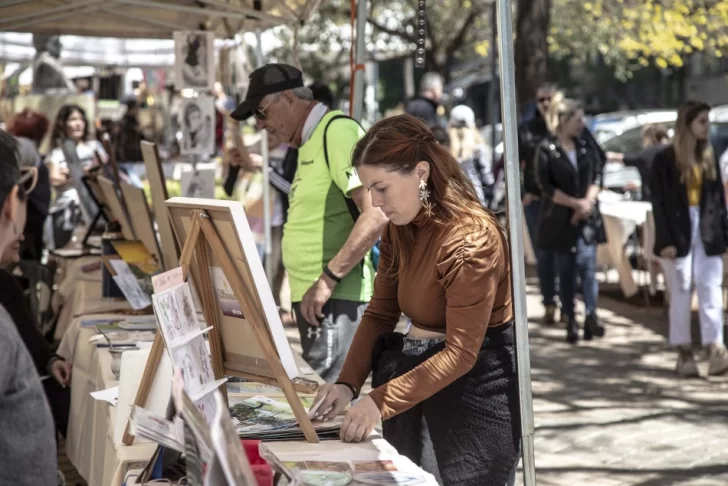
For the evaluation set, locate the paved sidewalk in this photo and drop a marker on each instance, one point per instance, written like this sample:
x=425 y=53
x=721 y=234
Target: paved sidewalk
x=612 y=412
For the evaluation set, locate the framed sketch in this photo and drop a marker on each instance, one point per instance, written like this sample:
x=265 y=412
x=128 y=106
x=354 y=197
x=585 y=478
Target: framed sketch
x=241 y=349
x=198 y=126
x=141 y=218
x=198 y=183
x=194 y=60
x=158 y=190
x=116 y=207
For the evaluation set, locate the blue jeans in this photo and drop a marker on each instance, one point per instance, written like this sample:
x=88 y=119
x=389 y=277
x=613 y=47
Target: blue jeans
x=546 y=263
x=583 y=264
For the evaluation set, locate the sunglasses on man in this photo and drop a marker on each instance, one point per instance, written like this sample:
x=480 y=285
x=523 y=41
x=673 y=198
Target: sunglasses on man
x=544 y=99
x=259 y=113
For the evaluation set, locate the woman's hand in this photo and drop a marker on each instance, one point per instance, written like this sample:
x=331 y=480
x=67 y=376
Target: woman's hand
x=330 y=401
x=360 y=421
x=61 y=371
x=669 y=252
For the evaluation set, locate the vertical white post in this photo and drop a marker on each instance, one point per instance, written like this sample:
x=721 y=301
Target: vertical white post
x=266 y=176
x=357 y=108
x=513 y=196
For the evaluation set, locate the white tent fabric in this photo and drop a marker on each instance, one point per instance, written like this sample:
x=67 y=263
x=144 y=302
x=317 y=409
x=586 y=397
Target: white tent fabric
x=149 y=19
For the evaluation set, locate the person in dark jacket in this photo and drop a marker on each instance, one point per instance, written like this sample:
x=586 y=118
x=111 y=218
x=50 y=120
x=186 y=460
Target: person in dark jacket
x=691 y=235
x=530 y=134
x=426 y=105
x=569 y=176
x=128 y=142
x=654 y=140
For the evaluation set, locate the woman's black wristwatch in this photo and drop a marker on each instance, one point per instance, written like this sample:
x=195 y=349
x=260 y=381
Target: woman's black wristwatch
x=354 y=393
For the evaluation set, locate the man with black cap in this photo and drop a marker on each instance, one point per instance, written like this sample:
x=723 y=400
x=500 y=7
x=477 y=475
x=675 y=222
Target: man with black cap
x=27 y=441
x=331 y=225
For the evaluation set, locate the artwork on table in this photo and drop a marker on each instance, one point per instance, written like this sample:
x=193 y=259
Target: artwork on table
x=175 y=313
x=198 y=126
x=194 y=361
x=194 y=60
x=129 y=284
x=198 y=183
x=242 y=350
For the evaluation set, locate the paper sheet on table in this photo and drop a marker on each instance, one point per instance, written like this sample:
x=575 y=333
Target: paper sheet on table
x=110 y=395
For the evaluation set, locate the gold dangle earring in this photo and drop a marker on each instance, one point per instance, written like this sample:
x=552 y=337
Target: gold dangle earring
x=425 y=198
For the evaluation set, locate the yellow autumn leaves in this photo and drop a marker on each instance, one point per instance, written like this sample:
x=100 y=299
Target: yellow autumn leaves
x=638 y=32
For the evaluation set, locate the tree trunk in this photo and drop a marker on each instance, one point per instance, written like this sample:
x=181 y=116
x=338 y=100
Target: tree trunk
x=531 y=56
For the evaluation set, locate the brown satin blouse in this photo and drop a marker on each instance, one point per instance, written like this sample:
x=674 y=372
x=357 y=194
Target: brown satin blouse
x=457 y=281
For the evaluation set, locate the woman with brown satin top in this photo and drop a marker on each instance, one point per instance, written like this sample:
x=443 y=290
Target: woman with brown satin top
x=446 y=390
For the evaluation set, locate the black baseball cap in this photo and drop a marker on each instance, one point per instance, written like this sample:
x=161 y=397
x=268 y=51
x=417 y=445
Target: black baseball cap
x=269 y=79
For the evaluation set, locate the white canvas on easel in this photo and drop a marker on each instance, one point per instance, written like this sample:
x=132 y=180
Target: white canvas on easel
x=242 y=352
x=132 y=368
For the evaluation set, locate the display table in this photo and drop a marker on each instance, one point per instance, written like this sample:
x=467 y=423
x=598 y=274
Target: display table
x=89 y=442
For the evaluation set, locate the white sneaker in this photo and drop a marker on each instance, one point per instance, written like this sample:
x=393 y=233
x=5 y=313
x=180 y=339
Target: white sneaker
x=718 y=359
x=686 y=365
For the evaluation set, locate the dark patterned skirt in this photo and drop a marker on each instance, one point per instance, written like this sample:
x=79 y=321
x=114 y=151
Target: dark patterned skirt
x=472 y=426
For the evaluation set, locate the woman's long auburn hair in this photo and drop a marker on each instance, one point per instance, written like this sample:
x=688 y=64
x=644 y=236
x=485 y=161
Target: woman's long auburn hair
x=398 y=144
x=690 y=151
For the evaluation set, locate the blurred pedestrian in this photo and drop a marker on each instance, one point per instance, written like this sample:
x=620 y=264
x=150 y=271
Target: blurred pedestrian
x=31 y=127
x=570 y=224
x=471 y=151
x=691 y=235
x=427 y=105
x=654 y=140
x=71 y=124
x=128 y=143
x=530 y=135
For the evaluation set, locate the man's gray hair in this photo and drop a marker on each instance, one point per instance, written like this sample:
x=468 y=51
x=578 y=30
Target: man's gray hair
x=431 y=81
x=302 y=93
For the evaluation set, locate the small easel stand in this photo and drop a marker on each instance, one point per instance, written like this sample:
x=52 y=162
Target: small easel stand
x=201 y=234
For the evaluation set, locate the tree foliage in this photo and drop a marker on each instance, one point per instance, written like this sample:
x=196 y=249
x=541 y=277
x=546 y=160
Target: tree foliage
x=630 y=34
x=456 y=30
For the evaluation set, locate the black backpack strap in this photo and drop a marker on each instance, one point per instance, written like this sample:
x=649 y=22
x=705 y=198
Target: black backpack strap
x=350 y=204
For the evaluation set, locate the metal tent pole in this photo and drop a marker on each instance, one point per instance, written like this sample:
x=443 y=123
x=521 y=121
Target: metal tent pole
x=513 y=196
x=357 y=108
x=266 y=176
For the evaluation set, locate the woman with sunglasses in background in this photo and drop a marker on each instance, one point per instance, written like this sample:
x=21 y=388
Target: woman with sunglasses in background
x=691 y=236
x=569 y=176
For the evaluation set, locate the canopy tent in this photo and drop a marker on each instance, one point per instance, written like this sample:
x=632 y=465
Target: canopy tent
x=150 y=18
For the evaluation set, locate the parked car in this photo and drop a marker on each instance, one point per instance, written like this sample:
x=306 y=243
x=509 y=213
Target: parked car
x=618 y=177
x=607 y=125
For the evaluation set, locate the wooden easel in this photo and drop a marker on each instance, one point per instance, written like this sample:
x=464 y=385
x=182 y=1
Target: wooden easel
x=201 y=234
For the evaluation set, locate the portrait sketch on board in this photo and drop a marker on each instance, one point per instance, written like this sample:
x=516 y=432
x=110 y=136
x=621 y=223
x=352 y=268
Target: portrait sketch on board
x=194 y=60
